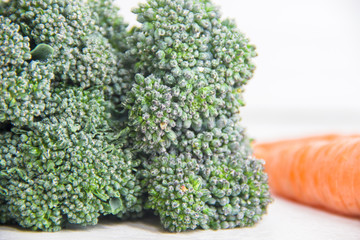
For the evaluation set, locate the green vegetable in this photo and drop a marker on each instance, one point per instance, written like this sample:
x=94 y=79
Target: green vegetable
x=98 y=120
x=190 y=68
x=25 y=84
x=58 y=163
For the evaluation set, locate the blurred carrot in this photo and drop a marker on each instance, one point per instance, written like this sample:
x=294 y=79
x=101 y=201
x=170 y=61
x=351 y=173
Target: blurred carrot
x=322 y=171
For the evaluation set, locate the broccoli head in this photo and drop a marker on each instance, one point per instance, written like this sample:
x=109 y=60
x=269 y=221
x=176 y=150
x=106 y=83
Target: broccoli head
x=208 y=180
x=98 y=120
x=190 y=69
x=60 y=161
x=189 y=59
x=63 y=168
x=82 y=55
x=24 y=85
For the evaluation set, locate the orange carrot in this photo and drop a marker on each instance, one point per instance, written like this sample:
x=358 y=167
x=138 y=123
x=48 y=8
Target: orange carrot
x=322 y=171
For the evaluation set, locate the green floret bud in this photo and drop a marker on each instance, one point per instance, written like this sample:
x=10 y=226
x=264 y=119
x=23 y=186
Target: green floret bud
x=25 y=84
x=63 y=168
x=240 y=192
x=15 y=49
x=112 y=24
x=60 y=161
x=190 y=69
x=82 y=55
x=176 y=192
x=151 y=113
x=203 y=63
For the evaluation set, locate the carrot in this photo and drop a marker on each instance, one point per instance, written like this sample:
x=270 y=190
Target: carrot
x=322 y=171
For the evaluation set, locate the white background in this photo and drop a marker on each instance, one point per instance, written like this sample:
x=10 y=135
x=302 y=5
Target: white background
x=307 y=82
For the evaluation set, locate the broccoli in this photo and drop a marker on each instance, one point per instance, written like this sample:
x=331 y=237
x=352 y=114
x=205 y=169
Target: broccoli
x=24 y=85
x=60 y=161
x=98 y=120
x=114 y=29
x=81 y=54
x=190 y=68
x=63 y=167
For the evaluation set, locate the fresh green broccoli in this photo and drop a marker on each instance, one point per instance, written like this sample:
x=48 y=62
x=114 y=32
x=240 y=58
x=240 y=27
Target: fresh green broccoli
x=106 y=15
x=63 y=167
x=183 y=108
x=82 y=55
x=98 y=120
x=198 y=64
x=60 y=161
x=24 y=85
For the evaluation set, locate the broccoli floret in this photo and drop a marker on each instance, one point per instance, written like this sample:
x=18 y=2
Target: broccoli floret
x=98 y=120
x=191 y=68
x=177 y=191
x=24 y=85
x=112 y=24
x=60 y=161
x=200 y=61
x=113 y=27
x=215 y=171
x=82 y=55
x=63 y=168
